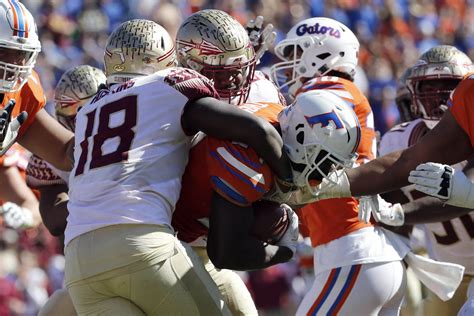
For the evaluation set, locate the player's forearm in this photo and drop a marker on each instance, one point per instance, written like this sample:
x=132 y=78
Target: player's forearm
x=249 y=254
x=380 y=175
x=270 y=147
x=431 y=210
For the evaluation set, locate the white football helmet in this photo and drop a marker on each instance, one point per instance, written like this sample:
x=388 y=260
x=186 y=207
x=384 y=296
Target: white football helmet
x=312 y=48
x=320 y=133
x=19 y=45
x=137 y=48
x=434 y=76
x=75 y=87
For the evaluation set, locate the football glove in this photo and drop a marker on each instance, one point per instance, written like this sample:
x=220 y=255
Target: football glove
x=261 y=40
x=381 y=210
x=16 y=216
x=335 y=185
x=9 y=128
x=445 y=183
x=290 y=238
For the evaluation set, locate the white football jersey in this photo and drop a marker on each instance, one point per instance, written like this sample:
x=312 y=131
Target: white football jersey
x=451 y=241
x=262 y=89
x=131 y=151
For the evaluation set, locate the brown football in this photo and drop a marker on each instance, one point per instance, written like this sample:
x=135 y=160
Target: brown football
x=270 y=221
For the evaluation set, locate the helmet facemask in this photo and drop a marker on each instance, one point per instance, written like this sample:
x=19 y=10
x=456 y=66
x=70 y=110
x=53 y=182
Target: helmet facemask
x=293 y=72
x=232 y=82
x=431 y=95
x=16 y=65
x=434 y=76
x=319 y=163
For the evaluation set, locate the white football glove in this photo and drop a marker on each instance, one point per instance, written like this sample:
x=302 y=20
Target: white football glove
x=290 y=238
x=381 y=210
x=261 y=40
x=335 y=185
x=9 y=128
x=16 y=216
x=445 y=183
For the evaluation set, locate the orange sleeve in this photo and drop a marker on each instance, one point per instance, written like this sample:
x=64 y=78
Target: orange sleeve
x=366 y=149
x=30 y=99
x=236 y=172
x=461 y=105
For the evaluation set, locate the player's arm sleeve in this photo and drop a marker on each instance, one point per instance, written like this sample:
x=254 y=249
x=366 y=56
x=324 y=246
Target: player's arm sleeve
x=368 y=146
x=191 y=84
x=237 y=173
x=39 y=174
x=461 y=105
x=32 y=100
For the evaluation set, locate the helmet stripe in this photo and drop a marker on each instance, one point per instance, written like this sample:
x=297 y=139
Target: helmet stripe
x=19 y=18
x=15 y=19
x=25 y=19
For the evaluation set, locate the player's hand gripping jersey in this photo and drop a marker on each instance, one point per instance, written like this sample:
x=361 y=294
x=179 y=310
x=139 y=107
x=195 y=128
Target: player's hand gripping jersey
x=334 y=218
x=141 y=153
x=231 y=169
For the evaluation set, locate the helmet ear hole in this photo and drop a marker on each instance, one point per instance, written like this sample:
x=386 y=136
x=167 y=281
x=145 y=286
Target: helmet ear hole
x=323 y=56
x=300 y=137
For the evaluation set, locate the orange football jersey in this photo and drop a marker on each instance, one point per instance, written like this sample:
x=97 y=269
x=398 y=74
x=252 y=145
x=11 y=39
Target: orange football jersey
x=331 y=219
x=231 y=169
x=29 y=98
x=461 y=105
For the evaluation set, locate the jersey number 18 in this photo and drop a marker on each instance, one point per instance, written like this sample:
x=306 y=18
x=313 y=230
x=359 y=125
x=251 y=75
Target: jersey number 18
x=124 y=132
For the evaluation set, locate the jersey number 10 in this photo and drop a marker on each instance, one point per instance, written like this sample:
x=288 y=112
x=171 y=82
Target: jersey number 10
x=124 y=132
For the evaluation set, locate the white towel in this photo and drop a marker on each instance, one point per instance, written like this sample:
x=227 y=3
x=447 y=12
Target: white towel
x=443 y=278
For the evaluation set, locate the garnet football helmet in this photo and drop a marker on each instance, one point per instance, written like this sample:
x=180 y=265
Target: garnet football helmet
x=216 y=45
x=19 y=45
x=137 y=48
x=74 y=89
x=312 y=48
x=434 y=76
x=320 y=133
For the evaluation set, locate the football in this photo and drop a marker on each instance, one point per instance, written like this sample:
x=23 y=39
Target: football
x=270 y=221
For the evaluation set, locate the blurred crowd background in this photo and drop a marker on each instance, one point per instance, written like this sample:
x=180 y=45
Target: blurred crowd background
x=392 y=33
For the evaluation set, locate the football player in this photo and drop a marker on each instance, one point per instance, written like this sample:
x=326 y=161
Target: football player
x=19 y=47
x=448 y=142
x=216 y=45
x=450 y=230
x=122 y=256
x=322 y=54
x=75 y=87
x=223 y=179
